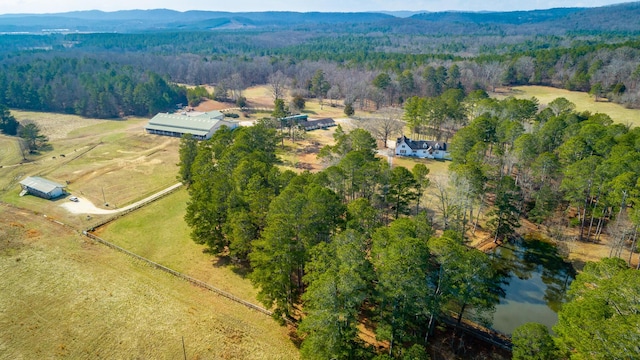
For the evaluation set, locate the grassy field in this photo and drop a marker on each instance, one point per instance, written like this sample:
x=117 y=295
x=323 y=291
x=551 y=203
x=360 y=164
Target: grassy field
x=63 y=296
x=10 y=152
x=110 y=161
x=158 y=232
x=583 y=101
x=436 y=167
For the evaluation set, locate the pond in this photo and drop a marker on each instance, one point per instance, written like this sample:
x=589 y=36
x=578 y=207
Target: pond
x=535 y=279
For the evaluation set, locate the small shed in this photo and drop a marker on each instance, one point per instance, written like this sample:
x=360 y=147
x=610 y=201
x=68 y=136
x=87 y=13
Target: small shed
x=41 y=187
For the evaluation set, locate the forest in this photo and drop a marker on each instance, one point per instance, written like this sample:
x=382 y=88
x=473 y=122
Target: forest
x=67 y=72
x=355 y=243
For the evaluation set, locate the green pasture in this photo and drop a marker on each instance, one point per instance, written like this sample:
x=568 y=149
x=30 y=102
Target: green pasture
x=583 y=101
x=158 y=232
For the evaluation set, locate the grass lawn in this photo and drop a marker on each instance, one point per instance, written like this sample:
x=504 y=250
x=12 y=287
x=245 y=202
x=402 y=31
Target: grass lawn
x=10 y=152
x=583 y=101
x=436 y=167
x=158 y=232
x=63 y=295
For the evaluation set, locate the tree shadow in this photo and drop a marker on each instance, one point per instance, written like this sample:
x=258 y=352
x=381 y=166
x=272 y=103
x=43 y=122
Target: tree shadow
x=238 y=267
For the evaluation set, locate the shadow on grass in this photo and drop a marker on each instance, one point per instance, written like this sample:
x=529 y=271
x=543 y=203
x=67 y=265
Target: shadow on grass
x=238 y=267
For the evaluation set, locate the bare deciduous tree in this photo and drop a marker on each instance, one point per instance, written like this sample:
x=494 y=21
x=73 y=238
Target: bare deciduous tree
x=386 y=125
x=278 y=84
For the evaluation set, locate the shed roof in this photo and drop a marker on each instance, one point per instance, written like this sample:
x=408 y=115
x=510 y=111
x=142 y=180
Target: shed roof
x=40 y=184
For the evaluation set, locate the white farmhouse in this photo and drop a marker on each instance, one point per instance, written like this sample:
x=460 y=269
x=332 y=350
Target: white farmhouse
x=421 y=148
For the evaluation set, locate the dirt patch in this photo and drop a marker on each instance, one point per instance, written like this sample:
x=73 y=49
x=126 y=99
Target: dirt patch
x=33 y=233
x=211 y=105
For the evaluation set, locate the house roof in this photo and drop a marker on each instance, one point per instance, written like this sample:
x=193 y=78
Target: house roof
x=40 y=184
x=422 y=144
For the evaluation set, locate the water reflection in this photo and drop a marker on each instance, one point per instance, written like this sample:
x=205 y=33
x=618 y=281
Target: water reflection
x=534 y=279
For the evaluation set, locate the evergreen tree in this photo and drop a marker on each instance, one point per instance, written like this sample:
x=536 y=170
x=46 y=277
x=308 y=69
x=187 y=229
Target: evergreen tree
x=505 y=214
x=348 y=109
x=402 y=191
x=600 y=320
x=8 y=124
x=188 y=152
x=532 y=341
x=401 y=260
x=34 y=140
x=338 y=277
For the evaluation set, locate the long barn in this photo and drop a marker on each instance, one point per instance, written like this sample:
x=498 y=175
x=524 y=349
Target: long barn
x=201 y=126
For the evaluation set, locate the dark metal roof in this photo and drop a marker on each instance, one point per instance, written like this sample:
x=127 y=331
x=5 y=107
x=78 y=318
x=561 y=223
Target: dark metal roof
x=422 y=144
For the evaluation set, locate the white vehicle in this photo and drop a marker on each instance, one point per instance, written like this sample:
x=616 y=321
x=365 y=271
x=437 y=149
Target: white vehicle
x=73 y=198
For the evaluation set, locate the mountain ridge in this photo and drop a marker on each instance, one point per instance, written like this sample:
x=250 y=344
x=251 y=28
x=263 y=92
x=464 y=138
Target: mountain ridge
x=619 y=17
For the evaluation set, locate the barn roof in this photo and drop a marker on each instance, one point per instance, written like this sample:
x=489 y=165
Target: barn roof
x=197 y=125
x=40 y=184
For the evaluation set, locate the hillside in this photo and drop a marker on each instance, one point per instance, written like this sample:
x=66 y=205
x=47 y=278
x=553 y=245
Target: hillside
x=622 y=17
x=162 y=19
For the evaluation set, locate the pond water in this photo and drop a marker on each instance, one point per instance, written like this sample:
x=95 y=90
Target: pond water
x=535 y=279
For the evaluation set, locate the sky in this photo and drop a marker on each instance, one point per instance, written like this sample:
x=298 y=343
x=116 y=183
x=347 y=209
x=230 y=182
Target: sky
x=54 y=6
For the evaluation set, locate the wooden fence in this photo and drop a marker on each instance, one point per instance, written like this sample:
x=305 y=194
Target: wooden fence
x=196 y=282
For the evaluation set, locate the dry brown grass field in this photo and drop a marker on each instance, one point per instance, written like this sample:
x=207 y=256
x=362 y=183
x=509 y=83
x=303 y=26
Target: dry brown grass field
x=104 y=161
x=64 y=296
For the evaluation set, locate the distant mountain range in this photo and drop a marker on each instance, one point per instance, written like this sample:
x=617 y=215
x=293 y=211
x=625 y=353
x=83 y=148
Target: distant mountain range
x=622 y=17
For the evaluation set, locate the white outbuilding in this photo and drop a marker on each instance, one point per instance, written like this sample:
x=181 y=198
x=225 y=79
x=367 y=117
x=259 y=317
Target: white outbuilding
x=41 y=187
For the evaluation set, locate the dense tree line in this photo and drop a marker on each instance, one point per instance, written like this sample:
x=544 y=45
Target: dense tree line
x=364 y=69
x=86 y=87
x=533 y=164
x=348 y=243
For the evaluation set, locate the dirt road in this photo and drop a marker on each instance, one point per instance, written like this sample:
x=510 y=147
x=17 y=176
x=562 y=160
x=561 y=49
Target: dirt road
x=84 y=206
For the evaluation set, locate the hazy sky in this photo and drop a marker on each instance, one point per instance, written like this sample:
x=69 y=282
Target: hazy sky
x=51 y=6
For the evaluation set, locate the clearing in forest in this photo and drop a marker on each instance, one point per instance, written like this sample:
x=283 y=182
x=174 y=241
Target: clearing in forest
x=582 y=100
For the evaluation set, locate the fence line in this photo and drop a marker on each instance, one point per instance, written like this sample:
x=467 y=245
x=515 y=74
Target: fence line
x=258 y=109
x=142 y=203
x=188 y=278
x=478 y=331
